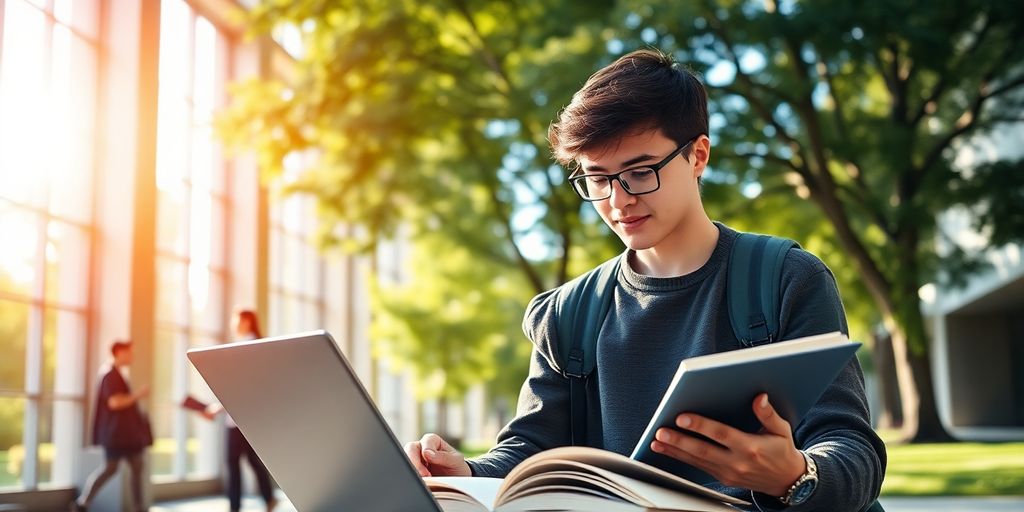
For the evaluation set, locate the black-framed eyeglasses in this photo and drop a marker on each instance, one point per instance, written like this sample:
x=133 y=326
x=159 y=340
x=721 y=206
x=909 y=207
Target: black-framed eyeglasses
x=636 y=181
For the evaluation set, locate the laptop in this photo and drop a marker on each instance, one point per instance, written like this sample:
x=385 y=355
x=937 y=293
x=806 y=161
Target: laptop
x=306 y=414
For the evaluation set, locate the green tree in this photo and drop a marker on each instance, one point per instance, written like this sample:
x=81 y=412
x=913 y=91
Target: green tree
x=433 y=116
x=860 y=108
x=454 y=323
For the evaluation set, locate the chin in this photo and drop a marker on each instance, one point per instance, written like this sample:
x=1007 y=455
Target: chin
x=635 y=243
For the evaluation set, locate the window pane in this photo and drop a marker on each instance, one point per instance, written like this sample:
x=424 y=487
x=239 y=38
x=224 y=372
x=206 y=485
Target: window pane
x=209 y=317
x=276 y=257
x=47 y=450
x=79 y=14
x=70 y=127
x=217 y=233
x=292 y=264
x=174 y=49
x=170 y=219
x=65 y=439
x=24 y=109
x=63 y=353
x=311 y=316
x=205 y=74
x=163 y=404
x=12 y=453
x=311 y=270
x=171 y=298
x=20 y=229
x=14 y=317
x=67 y=265
x=200 y=229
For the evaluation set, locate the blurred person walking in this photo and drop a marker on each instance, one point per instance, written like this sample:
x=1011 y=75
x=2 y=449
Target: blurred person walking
x=120 y=427
x=247 y=327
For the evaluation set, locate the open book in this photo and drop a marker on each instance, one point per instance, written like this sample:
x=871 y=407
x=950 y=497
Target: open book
x=578 y=479
x=723 y=386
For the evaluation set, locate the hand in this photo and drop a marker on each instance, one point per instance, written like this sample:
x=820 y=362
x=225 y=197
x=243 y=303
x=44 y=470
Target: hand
x=141 y=392
x=766 y=462
x=432 y=456
x=212 y=411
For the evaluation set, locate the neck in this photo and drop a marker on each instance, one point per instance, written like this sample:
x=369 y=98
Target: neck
x=687 y=249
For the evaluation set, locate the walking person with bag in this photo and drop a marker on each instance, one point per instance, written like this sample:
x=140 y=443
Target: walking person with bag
x=120 y=427
x=247 y=327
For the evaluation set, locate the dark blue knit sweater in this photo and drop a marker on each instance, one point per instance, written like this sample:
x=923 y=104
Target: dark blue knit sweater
x=655 y=323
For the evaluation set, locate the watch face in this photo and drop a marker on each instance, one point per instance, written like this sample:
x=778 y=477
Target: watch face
x=801 y=493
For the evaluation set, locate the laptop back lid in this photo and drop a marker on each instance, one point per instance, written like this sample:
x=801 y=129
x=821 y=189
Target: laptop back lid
x=308 y=417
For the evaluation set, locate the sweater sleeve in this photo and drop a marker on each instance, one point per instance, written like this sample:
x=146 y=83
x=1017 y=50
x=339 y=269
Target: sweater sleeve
x=542 y=414
x=837 y=431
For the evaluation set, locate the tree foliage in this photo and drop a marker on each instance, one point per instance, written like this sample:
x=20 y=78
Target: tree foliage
x=862 y=108
x=433 y=116
x=836 y=122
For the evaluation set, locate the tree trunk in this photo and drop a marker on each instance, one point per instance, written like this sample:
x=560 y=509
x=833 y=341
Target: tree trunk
x=917 y=395
x=890 y=415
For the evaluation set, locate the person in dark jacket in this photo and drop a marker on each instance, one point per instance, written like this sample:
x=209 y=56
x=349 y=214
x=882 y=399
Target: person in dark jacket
x=120 y=427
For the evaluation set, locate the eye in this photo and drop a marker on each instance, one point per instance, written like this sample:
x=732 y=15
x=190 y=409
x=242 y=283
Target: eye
x=597 y=179
x=641 y=174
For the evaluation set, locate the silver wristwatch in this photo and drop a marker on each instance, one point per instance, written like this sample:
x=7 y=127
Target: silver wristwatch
x=804 y=486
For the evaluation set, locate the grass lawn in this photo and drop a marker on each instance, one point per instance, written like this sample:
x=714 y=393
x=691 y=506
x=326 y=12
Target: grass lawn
x=955 y=469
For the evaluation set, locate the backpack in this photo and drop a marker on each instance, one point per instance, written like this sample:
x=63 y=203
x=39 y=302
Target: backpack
x=753 y=292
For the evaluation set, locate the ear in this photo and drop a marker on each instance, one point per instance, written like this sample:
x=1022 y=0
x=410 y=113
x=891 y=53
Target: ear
x=701 y=152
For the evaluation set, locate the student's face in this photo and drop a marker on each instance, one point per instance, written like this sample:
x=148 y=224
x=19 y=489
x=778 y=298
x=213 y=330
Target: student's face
x=645 y=221
x=242 y=325
x=124 y=357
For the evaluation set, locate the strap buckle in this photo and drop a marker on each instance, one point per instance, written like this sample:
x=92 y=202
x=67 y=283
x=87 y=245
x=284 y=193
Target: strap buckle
x=574 y=367
x=758 y=329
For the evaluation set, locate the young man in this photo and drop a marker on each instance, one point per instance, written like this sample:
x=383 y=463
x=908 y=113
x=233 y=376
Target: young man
x=119 y=427
x=638 y=134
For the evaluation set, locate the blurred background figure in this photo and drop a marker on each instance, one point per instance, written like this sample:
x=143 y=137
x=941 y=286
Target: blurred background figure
x=247 y=327
x=120 y=427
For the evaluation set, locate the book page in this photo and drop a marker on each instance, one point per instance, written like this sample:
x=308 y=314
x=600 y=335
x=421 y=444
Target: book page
x=637 y=492
x=481 y=490
x=564 y=501
x=615 y=463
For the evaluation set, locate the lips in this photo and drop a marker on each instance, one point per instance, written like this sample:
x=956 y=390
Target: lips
x=632 y=222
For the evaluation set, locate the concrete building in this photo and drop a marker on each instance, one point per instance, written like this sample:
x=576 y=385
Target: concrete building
x=978 y=330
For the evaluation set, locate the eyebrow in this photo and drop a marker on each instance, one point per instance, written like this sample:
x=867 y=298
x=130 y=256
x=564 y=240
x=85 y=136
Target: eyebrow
x=627 y=163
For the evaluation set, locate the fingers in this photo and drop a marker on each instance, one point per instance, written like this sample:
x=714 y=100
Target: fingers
x=434 y=442
x=441 y=459
x=696 y=448
x=773 y=423
x=414 y=452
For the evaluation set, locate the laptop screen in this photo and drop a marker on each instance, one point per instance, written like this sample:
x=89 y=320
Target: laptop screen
x=304 y=411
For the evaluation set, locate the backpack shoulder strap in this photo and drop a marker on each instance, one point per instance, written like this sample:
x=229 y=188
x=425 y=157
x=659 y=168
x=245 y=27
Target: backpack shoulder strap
x=754 y=286
x=581 y=306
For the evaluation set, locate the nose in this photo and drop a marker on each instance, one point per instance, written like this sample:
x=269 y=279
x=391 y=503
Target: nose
x=620 y=195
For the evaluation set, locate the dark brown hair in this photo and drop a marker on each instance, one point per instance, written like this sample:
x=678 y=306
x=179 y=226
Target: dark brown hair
x=120 y=345
x=250 y=317
x=643 y=90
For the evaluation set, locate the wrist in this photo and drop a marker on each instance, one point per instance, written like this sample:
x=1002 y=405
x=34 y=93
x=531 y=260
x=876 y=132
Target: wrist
x=805 y=484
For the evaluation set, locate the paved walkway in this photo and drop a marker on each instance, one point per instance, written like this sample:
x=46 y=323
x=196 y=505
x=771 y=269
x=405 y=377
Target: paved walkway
x=958 y=504
x=936 y=504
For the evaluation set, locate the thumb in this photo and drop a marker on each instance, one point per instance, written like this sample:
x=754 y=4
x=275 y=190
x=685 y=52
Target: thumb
x=446 y=458
x=773 y=423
